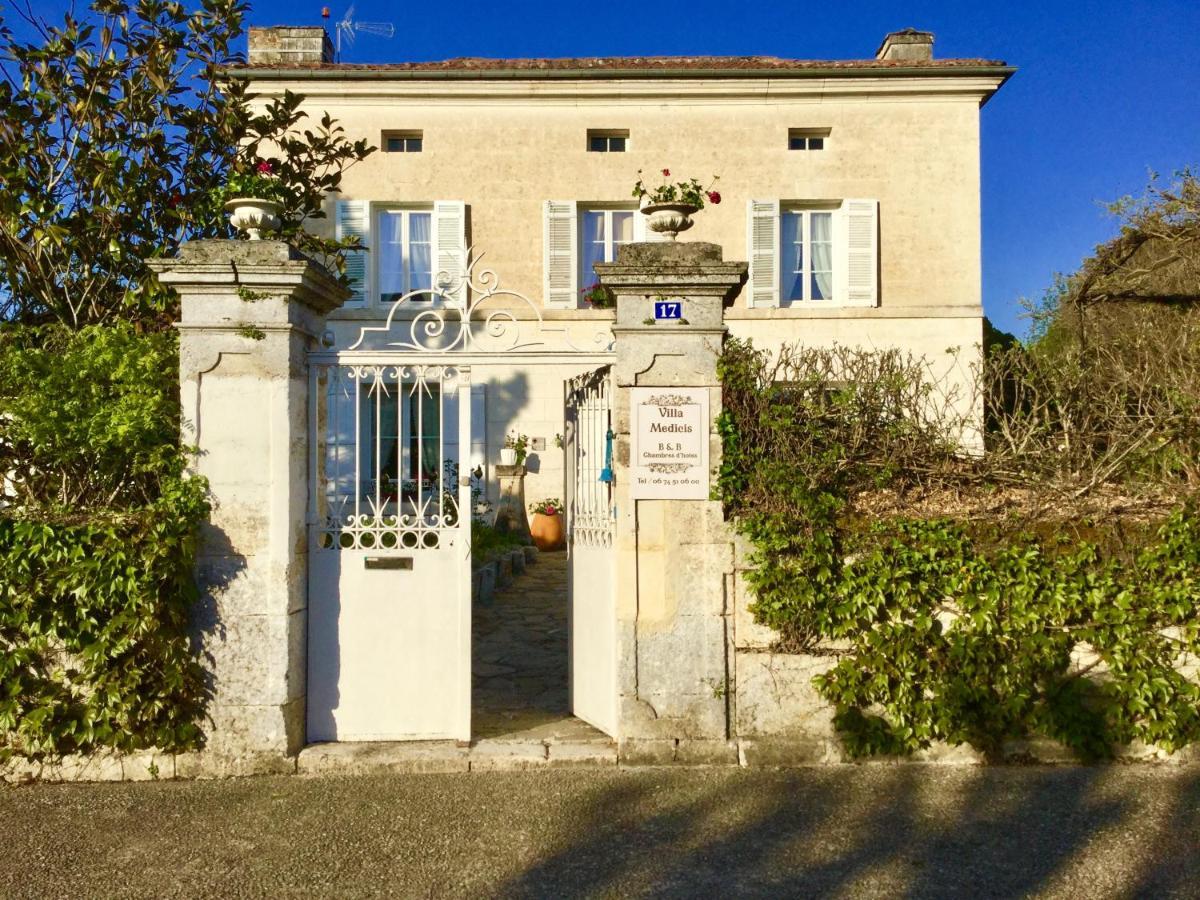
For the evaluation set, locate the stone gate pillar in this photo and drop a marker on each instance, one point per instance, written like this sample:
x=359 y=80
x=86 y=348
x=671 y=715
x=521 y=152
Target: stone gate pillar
x=674 y=557
x=251 y=310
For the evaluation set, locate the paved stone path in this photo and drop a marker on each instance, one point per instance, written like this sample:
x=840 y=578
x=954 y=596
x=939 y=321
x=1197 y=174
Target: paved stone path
x=844 y=831
x=519 y=659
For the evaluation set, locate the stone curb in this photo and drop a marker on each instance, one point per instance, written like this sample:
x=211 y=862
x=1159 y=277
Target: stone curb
x=498 y=755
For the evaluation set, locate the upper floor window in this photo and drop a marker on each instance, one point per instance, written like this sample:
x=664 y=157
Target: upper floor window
x=603 y=231
x=576 y=237
x=403 y=141
x=820 y=252
x=607 y=141
x=404 y=249
x=404 y=252
x=806 y=255
x=807 y=138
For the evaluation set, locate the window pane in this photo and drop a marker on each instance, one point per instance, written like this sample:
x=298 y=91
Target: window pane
x=622 y=227
x=413 y=145
x=822 y=256
x=597 y=144
x=791 y=275
x=391 y=255
x=419 y=252
x=816 y=143
x=395 y=145
x=616 y=145
x=796 y=143
x=593 y=227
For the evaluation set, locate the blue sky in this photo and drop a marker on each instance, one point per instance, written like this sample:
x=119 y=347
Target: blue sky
x=1106 y=91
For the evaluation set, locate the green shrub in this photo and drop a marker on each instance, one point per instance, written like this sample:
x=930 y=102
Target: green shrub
x=94 y=630
x=962 y=630
x=98 y=531
x=89 y=419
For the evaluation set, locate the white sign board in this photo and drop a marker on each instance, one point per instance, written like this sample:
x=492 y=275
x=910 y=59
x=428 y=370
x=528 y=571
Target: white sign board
x=669 y=443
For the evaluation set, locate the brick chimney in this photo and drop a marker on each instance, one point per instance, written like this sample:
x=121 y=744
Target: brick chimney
x=304 y=44
x=908 y=44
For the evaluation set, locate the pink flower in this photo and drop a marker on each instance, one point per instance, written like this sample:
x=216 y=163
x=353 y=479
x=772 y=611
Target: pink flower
x=714 y=197
x=264 y=167
x=666 y=172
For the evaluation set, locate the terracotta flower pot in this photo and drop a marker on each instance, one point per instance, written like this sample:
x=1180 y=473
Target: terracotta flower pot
x=546 y=531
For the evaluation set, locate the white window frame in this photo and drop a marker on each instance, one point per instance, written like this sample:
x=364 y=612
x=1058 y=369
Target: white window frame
x=585 y=277
x=805 y=213
x=378 y=212
x=608 y=134
x=808 y=135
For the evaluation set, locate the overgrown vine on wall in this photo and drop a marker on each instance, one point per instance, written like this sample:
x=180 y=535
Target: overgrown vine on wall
x=98 y=529
x=946 y=628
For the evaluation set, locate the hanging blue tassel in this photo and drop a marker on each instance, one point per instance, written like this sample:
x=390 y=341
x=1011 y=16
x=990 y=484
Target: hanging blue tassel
x=606 y=474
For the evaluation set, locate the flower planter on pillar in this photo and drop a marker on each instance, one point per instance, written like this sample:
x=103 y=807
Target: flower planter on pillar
x=669 y=218
x=253 y=216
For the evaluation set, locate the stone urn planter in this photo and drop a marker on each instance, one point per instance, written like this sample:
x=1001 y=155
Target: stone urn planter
x=547 y=531
x=669 y=218
x=253 y=216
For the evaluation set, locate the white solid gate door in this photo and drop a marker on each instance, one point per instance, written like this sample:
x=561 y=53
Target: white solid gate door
x=389 y=617
x=591 y=576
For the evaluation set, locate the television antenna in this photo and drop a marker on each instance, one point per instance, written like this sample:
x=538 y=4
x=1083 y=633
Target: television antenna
x=347 y=27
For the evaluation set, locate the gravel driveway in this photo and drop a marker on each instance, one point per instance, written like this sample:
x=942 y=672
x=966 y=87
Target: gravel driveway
x=863 y=831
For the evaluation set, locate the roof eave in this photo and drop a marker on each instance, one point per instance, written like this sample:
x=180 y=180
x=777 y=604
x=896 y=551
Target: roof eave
x=383 y=73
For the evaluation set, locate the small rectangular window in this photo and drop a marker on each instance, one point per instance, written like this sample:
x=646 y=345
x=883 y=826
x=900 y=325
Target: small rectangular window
x=402 y=142
x=607 y=141
x=807 y=138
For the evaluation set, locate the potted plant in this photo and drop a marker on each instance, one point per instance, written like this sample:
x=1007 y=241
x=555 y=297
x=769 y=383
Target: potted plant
x=546 y=526
x=670 y=206
x=515 y=449
x=598 y=296
x=254 y=197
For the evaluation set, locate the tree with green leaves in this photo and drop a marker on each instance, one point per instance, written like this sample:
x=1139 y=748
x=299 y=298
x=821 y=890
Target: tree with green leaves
x=119 y=133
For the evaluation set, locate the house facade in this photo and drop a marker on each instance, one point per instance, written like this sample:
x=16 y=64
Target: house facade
x=341 y=436
x=851 y=188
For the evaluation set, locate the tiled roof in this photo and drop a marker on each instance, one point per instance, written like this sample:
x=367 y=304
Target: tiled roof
x=630 y=64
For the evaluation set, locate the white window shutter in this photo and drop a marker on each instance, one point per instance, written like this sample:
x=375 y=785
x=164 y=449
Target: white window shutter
x=861 y=251
x=450 y=249
x=561 y=257
x=763 y=241
x=354 y=220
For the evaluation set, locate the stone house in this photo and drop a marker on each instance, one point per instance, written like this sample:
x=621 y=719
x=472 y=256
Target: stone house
x=337 y=568
x=851 y=187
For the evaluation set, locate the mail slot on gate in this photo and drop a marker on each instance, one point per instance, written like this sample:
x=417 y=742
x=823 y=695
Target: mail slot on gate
x=389 y=562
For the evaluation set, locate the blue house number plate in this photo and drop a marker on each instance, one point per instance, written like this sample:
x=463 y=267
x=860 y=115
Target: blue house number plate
x=668 y=309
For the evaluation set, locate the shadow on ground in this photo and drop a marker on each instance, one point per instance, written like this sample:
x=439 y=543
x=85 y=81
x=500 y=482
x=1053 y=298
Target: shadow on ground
x=857 y=831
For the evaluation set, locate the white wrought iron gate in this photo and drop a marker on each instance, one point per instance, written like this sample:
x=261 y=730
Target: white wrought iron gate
x=389 y=572
x=592 y=619
x=389 y=553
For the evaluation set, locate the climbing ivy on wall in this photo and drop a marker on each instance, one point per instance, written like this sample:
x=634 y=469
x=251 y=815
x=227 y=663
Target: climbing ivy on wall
x=98 y=531
x=943 y=628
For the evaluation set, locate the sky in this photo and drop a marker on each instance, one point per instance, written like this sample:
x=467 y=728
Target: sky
x=1106 y=92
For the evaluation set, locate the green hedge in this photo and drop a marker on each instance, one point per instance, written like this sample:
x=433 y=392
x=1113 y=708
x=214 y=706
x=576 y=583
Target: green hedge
x=946 y=630
x=98 y=533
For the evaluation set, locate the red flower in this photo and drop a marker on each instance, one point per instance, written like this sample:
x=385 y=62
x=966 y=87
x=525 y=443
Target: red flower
x=714 y=197
x=264 y=167
x=666 y=172
x=175 y=200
